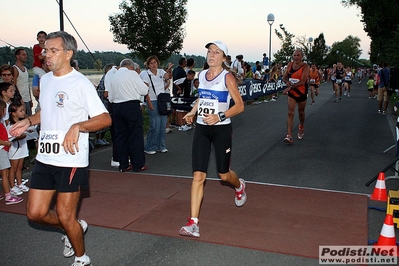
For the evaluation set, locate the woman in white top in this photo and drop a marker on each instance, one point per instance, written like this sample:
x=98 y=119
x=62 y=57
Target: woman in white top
x=217 y=86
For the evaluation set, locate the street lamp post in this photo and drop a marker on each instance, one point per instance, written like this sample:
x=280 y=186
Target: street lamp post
x=270 y=20
x=310 y=40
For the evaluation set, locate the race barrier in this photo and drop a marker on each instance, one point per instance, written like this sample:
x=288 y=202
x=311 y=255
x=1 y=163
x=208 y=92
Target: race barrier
x=249 y=90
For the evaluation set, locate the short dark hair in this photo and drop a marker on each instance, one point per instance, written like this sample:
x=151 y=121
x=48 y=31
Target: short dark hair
x=41 y=32
x=190 y=62
x=181 y=60
x=18 y=50
x=190 y=72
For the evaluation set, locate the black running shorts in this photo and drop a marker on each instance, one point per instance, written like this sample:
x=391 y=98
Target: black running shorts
x=204 y=137
x=61 y=179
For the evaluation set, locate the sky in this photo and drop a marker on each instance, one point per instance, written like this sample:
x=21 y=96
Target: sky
x=240 y=24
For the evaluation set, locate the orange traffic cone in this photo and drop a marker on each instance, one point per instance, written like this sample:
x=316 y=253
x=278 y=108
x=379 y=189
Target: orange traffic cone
x=380 y=191
x=387 y=235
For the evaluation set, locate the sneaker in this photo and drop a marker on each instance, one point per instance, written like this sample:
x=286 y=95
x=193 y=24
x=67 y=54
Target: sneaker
x=23 y=187
x=100 y=142
x=163 y=150
x=345 y=93
x=300 y=132
x=168 y=130
x=13 y=200
x=81 y=263
x=288 y=139
x=114 y=164
x=150 y=152
x=312 y=103
x=190 y=229
x=349 y=95
x=184 y=128
x=266 y=101
x=273 y=100
x=16 y=191
x=336 y=100
x=105 y=141
x=241 y=196
x=68 y=249
x=384 y=112
x=379 y=112
x=1 y=197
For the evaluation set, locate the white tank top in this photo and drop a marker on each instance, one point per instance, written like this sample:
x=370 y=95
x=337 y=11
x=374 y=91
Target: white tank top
x=213 y=95
x=23 y=84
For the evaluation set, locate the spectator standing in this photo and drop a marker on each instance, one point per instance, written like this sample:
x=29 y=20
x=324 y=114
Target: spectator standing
x=7 y=75
x=265 y=61
x=107 y=81
x=61 y=168
x=100 y=137
x=237 y=65
x=154 y=79
x=19 y=147
x=370 y=86
x=21 y=78
x=37 y=54
x=125 y=92
x=5 y=144
x=383 y=96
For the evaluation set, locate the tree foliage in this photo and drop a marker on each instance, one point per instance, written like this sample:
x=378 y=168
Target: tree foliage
x=347 y=51
x=380 y=20
x=150 y=27
x=284 y=55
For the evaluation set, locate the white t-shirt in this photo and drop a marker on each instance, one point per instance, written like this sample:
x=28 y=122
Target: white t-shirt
x=64 y=101
x=125 y=85
x=157 y=80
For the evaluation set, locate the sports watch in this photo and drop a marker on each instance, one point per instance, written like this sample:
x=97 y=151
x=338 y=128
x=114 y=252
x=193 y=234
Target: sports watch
x=222 y=116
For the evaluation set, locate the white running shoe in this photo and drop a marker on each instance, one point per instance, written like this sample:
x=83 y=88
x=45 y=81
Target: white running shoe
x=81 y=263
x=190 y=229
x=23 y=187
x=16 y=191
x=114 y=164
x=241 y=196
x=68 y=249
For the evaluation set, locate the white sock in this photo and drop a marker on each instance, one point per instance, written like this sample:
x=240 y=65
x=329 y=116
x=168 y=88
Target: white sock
x=84 y=258
x=195 y=219
x=240 y=188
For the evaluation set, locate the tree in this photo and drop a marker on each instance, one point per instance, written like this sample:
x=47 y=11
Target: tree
x=381 y=23
x=150 y=27
x=284 y=55
x=347 y=51
x=319 y=50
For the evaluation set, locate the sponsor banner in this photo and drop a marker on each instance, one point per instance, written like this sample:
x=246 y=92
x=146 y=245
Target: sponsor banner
x=249 y=89
x=358 y=255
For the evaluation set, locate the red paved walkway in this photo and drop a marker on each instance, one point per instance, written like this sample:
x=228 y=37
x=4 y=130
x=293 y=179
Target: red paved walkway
x=276 y=219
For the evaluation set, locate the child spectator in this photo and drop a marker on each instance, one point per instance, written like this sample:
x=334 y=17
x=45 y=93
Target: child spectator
x=4 y=161
x=38 y=55
x=19 y=147
x=6 y=93
x=370 y=86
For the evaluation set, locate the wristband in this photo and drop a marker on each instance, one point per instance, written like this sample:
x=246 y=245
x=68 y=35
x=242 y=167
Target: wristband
x=222 y=116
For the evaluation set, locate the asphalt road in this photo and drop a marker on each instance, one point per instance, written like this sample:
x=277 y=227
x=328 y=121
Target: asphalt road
x=342 y=149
